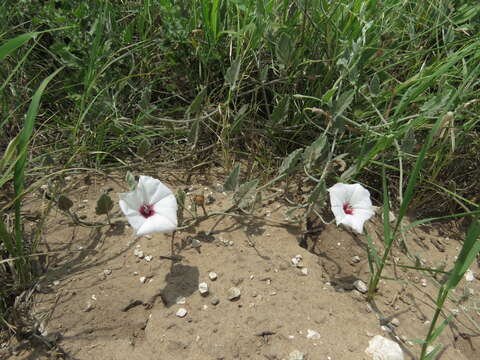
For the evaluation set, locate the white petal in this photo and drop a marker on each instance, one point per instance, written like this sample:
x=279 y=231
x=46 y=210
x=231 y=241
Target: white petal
x=167 y=207
x=156 y=223
x=339 y=194
x=130 y=200
x=152 y=190
x=363 y=214
x=353 y=222
x=360 y=197
x=338 y=213
x=136 y=221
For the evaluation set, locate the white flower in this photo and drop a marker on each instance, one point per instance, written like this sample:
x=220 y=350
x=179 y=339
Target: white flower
x=351 y=205
x=150 y=208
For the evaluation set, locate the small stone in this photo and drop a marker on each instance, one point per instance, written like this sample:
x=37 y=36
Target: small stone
x=304 y=271
x=138 y=253
x=297 y=261
x=312 y=334
x=143 y=279
x=360 y=286
x=395 y=322
x=296 y=355
x=89 y=306
x=215 y=301
x=196 y=243
x=203 y=288
x=423 y=282
x=469 y=275
x=148 y=258
x=233 y=293
x=56 y=283
x=355 y=259
x=181 y=312
x=107 y=271
x=180 y=300
x=212 y=275
x=384 y=349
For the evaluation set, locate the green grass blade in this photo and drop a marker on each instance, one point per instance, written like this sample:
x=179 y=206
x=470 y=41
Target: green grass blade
x=408 y=195
x=470 y=249
x=387 y=235
x=13 y=44
x=439 y=329
x=432 y=354
x=24 y=138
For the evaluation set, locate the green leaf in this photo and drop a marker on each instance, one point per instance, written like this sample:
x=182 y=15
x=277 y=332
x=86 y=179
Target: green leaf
x=9 y=153
x=245 y=196
x=13 y=44
x=181 y=196
x=317 y=196
x=232 y=73
x=238 y=119
x=284 y=49
x=412 y=180
x=470 y=249
x=436 y=333
x=327 y=97
x=342 y=103
x=231 y=182
x=64 y=203
x=197 y=103
x=431 y=355
x=314 y=151
x=280 y=112
x=387 y=231
x=130 y=180
x=374 y=86
x=104 y=205
x=290 y=162
x=372 y=255
x=144 y=147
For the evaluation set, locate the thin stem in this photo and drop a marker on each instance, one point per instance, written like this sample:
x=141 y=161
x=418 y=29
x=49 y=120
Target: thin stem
x=442 y=296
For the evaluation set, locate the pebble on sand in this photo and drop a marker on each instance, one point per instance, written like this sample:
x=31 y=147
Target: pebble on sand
x=381 y=348
x=203 y=288
x=312 y=334
x=181 y=312
x=233 y=293
x=296 y=355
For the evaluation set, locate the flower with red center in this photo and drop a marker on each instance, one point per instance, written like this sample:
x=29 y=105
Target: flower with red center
x=351 y=205
x=150 y=208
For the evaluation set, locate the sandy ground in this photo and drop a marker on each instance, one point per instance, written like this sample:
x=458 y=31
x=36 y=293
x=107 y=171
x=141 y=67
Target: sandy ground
x=93 y=303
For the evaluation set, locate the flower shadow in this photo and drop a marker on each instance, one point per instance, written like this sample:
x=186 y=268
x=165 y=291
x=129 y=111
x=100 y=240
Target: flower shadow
x=181 y=281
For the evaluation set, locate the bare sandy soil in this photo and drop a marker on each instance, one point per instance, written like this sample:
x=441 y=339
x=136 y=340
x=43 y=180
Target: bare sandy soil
x=93 y=304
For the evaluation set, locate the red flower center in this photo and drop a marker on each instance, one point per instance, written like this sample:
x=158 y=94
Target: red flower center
x=146 y=210
x=348 y=209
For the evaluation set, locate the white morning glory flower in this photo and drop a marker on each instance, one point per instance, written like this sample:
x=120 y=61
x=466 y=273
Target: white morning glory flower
x=150 y=208
x=351 y=205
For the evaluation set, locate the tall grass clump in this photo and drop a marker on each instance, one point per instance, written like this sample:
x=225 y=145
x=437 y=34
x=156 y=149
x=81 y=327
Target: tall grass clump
x=15 y=258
